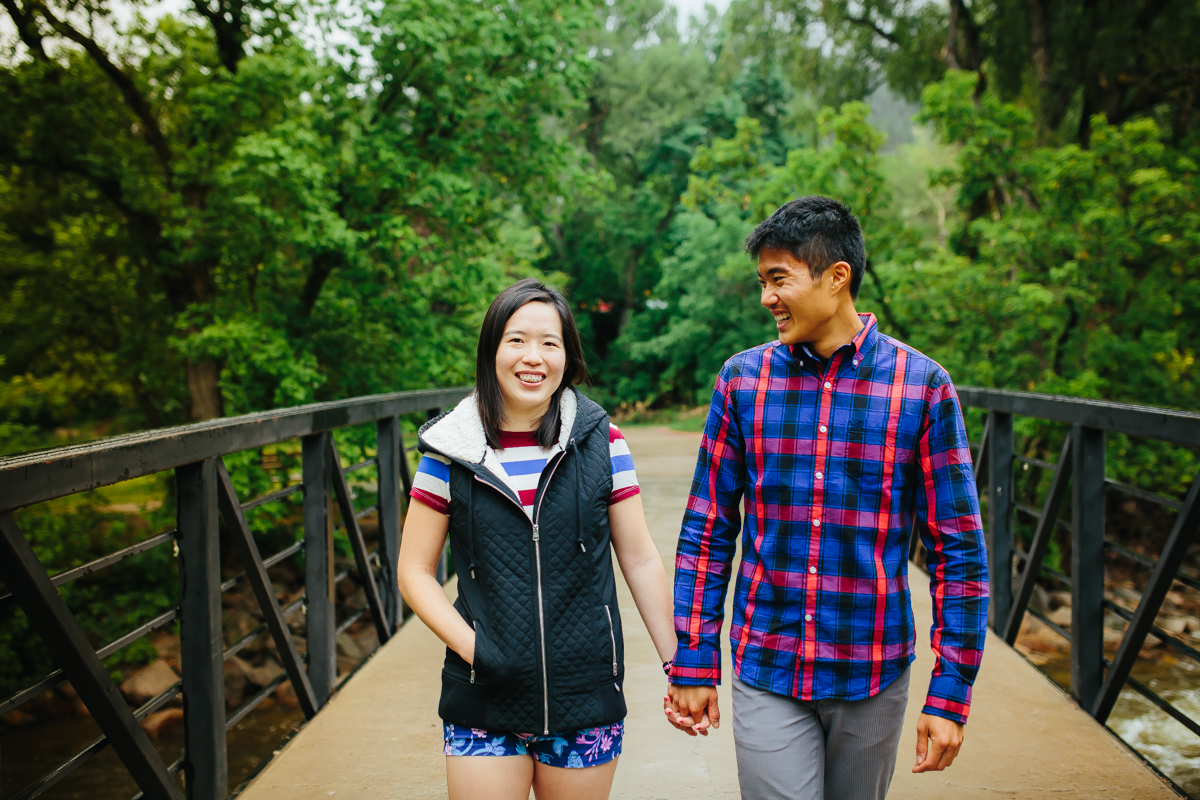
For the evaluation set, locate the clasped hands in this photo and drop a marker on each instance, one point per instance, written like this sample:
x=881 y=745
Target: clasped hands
x=693 y=710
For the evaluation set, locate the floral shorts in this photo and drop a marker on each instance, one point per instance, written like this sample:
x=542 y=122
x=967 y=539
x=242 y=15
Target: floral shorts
x=590 y=747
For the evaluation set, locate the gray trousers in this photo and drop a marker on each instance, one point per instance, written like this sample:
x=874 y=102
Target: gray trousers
x=789 y=749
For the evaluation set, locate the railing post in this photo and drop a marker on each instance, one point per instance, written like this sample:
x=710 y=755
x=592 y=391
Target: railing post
x=1183 y=534
x=201 y=647
x=389 y=447
x=1042 y=536
x=318 y=566
x=1000 y=516
x=1087 y=564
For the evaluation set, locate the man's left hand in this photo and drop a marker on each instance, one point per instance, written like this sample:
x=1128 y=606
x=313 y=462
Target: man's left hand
x=938 y=740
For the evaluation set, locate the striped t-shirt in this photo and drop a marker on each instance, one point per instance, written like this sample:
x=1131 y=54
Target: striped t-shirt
x=522 y=462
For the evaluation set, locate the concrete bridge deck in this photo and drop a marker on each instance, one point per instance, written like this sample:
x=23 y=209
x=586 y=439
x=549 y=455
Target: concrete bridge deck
x=380 y=736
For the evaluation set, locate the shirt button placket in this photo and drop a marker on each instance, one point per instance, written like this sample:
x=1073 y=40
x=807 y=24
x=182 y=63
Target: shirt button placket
x=816 y=523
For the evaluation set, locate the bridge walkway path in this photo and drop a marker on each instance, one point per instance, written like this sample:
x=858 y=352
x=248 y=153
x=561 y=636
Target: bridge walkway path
x=380 y=737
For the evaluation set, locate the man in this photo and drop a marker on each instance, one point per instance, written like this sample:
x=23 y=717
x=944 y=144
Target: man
x=839 y=439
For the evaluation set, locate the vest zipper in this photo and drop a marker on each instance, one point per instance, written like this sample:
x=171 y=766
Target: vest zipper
x=537 y=555
x=612 y=634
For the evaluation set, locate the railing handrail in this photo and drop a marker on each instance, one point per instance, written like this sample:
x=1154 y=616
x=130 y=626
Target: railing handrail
x=1080 y=475
x=43 y=475
x=204 y=495
x=1167 y=424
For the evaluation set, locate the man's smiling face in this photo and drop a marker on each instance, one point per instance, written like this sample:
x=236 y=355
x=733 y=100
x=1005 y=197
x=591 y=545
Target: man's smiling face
x=800 y=305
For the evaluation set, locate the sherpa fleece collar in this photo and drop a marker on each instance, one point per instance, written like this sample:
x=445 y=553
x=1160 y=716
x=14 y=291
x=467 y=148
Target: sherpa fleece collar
x=459 y=433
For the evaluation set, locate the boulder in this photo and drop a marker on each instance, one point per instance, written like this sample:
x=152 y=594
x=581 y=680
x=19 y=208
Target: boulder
x=149 y=682
x=285 y=695
x=348 y=647
x=235 y=683
x=160 y=722
x=236 y=624
x=17 y=719
x=79 y=708
x=51 y=704
x=1061 y=616
x=368 y=639
x=1040 y=600
x=261 y=676
x=167 y=645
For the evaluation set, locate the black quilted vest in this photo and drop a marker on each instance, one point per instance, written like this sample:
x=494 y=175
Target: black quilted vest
x=549 y=656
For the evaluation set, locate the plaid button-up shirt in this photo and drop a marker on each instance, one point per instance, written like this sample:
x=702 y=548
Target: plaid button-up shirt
x=834 y=465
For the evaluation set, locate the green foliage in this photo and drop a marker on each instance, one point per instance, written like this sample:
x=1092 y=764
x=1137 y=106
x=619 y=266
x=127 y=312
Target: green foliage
x=708 y=285
x=1080 y=277
x=109 y=603
x=1084 y=276
x=193 y=225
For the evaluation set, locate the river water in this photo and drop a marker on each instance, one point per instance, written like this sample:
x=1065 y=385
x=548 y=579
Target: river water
x=1169 y=746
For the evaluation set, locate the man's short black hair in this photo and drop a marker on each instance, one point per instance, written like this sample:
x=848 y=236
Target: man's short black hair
x=819 y=231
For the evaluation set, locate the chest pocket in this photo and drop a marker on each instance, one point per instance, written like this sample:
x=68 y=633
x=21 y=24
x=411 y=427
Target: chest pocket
x=864 y=457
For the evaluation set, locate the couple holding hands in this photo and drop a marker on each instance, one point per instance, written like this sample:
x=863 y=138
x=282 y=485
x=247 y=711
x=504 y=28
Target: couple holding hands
x=833 y=441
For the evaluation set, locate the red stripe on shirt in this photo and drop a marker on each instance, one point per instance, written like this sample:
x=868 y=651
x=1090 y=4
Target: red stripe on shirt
x=895 y=405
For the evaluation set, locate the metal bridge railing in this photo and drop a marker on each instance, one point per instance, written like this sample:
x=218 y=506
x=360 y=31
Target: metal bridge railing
x=204 y=494
x=1095 y=682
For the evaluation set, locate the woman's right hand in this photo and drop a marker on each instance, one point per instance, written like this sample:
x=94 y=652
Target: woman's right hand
x=420 y=550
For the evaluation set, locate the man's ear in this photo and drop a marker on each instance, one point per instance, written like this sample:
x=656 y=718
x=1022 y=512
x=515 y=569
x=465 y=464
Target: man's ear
x=839 y=276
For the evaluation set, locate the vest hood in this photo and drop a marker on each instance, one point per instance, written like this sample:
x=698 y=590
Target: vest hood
x=458 y=433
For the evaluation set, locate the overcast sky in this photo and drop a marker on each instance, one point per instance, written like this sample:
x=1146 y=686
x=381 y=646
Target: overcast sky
x=689 y=8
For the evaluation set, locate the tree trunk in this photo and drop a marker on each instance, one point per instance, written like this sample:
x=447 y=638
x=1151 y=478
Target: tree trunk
x=204 y=387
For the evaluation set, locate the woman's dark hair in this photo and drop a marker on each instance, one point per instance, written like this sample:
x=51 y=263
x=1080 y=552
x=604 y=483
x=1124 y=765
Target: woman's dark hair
x=488 y=396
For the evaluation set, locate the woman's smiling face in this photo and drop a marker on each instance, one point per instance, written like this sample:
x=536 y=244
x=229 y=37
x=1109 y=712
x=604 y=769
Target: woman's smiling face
x=530 y=361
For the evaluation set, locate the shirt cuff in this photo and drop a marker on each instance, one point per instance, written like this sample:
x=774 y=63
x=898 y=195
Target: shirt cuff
x=696 y=667
x=948 y=697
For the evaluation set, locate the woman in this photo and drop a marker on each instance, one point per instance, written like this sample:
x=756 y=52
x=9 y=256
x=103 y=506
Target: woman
x=533 y=485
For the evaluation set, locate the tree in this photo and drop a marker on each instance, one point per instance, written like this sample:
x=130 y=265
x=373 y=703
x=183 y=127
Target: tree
x=206 y=217
x=1084 y=281
x=1072 y=59
x=709 y=295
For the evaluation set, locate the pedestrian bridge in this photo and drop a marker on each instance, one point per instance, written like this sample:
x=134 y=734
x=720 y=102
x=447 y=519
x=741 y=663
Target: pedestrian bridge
x=375 y=733
x=380 y=736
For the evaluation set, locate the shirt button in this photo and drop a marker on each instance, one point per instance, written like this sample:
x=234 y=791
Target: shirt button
x=819 y=476
x=808 y=617
x=828 y=385
x=823 y=429
x=816 y=523
x=813 y=570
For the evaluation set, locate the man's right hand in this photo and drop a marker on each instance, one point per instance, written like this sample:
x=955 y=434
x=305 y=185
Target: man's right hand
x=692 y=709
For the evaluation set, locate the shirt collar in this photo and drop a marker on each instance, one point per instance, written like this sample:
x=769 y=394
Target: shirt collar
x=855 y=350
